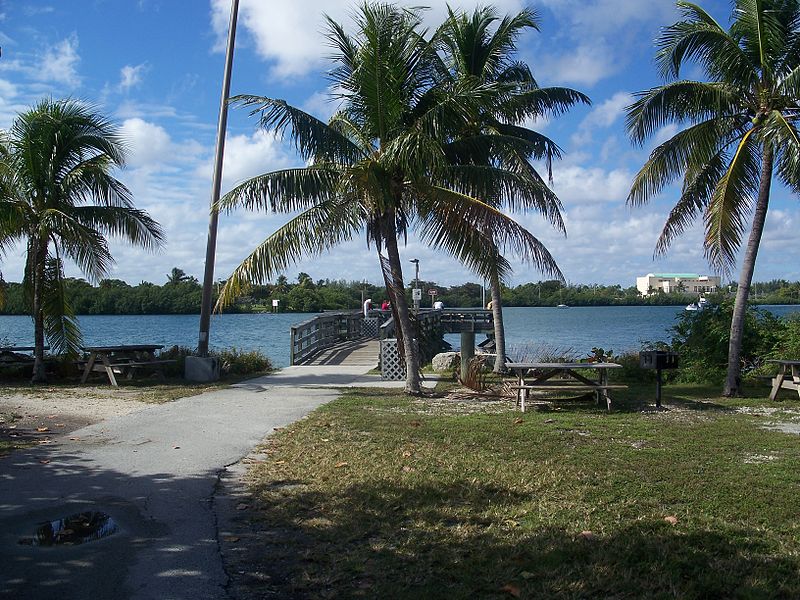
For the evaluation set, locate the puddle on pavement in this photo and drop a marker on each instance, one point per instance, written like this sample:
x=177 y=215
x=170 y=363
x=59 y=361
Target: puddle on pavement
x=74 y=529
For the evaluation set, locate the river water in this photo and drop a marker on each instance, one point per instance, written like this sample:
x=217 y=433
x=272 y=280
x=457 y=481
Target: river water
x=578 y=329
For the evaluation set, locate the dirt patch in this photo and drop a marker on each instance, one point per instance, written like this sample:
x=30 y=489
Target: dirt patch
x=42 y=414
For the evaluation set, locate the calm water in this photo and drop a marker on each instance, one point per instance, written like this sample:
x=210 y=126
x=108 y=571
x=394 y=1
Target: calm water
x=579 y=328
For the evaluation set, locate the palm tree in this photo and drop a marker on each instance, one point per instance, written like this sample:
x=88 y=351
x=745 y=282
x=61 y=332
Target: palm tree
x=57 y=195
x=479 y=50
x=740 y=126
x=176 y=276
x=380 y=166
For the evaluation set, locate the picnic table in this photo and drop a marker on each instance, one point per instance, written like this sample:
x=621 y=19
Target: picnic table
x=788 y=377
x=541 y=377
x=17 y=356
x=124 y=360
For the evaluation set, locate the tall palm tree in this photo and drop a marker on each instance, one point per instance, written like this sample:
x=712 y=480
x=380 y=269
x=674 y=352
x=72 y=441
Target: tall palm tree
x=57 y=194
x=739 y=126
x=380 y=166
x=480 y=51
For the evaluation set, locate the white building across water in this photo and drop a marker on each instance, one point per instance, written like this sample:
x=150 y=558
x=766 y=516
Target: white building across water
x=685 y=283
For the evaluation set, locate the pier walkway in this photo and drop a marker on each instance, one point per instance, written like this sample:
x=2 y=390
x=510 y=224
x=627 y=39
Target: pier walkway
x=348 y=339
x=355 y=353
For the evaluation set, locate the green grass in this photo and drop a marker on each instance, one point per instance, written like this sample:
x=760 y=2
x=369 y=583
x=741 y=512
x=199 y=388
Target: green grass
x=383 y=496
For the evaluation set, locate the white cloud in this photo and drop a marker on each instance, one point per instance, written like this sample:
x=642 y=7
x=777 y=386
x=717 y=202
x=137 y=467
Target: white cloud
x=586 y=65
x=602 y=33
x=131 y=76
x=580 y=185
x=320 y=105
x=7 y=90
x=289 y=33
x=59 y=63
x=149 y=144
x=602 y=116
x=609 y=17
x=247 y=156
x=607 y=113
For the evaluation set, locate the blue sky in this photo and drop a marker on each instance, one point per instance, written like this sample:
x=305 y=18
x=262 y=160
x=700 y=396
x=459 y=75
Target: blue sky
x=155 y=66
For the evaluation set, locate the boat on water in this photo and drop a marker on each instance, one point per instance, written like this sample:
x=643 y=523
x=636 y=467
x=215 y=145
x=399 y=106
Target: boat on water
x=562 y=306
x=699 y=305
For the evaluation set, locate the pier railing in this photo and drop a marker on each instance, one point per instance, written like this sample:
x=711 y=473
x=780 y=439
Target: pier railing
x=311 y=337
x=456 y=320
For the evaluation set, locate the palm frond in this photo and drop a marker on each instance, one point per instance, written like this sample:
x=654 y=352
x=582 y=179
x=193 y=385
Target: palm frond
x=684 y=151
x=131 y=224
x=311 y=137
x=699 y=184
x=784 y=137
x=518 y=191
x=679 y=102
x=60 y=323
x=308 y=234
x=700 y=38
x=465 y=227
x=85 y=245
x=285 y=191
x=725 y=217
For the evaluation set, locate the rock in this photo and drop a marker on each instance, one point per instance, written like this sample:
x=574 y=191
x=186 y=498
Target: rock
x=446 y=361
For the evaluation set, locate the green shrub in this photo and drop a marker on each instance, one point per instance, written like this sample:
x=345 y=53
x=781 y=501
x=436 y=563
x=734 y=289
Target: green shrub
x=701 y=340
x=239 y=362
x=232 y=361
x=631 y=372
x=178 y=354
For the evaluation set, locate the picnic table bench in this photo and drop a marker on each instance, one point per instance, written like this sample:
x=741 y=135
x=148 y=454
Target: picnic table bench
x=571 y=380
x=123 y=360
x=17 y=356
x=788 y=377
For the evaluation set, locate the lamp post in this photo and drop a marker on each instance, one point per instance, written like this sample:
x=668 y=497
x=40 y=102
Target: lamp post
x=211 y=247
x=416 y=294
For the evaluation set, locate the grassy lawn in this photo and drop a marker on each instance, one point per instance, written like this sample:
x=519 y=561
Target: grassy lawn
x=378 y=495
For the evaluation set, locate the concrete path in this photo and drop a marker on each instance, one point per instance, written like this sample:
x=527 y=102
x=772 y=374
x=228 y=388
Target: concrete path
x=155 y=472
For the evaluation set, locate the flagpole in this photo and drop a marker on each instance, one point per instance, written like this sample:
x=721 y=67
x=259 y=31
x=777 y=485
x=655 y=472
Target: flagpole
x=211 y=247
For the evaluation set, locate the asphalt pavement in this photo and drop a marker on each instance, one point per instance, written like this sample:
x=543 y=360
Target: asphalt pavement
x=154 y=472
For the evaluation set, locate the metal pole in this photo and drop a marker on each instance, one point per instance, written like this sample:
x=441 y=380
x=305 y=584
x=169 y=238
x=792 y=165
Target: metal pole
x=211 y=247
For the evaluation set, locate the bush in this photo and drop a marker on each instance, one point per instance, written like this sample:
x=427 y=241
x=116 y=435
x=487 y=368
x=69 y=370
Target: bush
x=238 y=362
x=701 y=339
x=232 y=361
x=631 y=372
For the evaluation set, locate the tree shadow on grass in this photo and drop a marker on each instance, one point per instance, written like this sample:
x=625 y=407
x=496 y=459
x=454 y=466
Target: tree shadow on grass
x=384 y=539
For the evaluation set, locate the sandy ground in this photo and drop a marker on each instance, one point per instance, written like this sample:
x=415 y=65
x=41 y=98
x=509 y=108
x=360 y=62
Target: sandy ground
x=43 y=414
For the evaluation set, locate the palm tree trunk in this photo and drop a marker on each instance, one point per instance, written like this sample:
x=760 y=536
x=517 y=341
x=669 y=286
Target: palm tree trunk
x=733 y=380
x=40 y=249
x=404 y=321
x=497 y=317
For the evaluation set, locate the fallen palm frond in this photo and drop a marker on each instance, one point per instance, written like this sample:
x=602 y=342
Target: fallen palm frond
x=480 y=380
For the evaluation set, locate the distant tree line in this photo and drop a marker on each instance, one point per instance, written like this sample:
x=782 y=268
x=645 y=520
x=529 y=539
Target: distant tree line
x=180 y=294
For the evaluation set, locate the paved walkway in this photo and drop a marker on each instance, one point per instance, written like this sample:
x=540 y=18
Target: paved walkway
x=155 y=472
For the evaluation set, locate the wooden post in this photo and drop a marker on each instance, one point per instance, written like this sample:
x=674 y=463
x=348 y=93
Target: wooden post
x=467 y=351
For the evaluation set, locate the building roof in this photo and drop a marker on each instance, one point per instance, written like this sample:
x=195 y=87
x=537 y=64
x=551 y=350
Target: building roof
x=678 y=275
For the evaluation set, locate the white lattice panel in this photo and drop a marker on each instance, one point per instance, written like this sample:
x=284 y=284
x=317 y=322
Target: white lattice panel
x=393 y=367
x=371 y=327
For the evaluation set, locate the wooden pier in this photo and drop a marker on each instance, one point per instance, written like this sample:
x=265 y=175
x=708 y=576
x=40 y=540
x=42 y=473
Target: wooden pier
x=347 y=338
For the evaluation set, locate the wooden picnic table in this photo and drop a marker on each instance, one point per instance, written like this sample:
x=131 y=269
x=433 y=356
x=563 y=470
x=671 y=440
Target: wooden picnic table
x=123 y=359
x=17 y=355
x=788 y=377
x=570 y=379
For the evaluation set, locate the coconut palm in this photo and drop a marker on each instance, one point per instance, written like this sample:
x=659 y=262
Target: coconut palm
x=739 y=126
x=380 y=166
x=479 y=50
x=58 y=196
